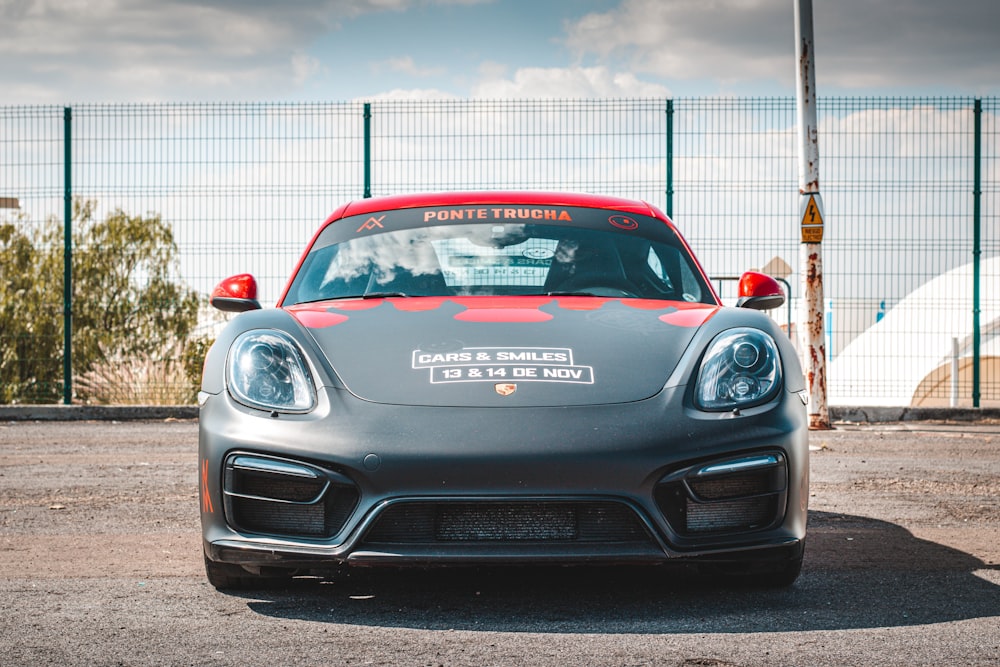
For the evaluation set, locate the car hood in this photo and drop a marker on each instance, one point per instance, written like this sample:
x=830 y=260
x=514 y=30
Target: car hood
x=502 y=351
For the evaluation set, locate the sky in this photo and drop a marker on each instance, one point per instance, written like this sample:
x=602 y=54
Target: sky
x=131 y=51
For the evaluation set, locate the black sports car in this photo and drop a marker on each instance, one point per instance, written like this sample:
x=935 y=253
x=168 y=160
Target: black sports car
x=501 y=378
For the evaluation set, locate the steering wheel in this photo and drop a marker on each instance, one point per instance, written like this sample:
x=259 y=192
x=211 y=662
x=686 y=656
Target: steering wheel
x=610 y=287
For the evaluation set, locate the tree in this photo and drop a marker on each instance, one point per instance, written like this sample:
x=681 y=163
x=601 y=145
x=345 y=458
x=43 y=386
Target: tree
x=127 y=303
x=30 y=317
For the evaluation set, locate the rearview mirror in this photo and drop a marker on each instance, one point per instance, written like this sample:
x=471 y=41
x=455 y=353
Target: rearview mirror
x=236 y=294
x=759 y=291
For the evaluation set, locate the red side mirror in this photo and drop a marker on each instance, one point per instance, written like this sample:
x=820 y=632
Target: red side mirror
x=236 y=294
x=759 y=291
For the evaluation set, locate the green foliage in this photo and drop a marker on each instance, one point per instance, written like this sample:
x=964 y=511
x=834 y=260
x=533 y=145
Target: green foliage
x=30 y=316
x=193 y=359
x=126 y=302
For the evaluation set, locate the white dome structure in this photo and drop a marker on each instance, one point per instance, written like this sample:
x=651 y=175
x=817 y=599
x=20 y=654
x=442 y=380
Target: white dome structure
x=905 y=358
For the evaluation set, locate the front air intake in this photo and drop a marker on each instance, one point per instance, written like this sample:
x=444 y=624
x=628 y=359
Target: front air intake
x=507 y=522
x=735 y=495
x=286 y=498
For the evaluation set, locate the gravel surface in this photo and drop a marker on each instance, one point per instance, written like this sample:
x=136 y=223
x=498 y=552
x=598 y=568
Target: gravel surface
x=100 y=564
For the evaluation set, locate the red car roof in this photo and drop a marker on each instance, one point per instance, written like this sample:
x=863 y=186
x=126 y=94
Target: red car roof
x=362 y=206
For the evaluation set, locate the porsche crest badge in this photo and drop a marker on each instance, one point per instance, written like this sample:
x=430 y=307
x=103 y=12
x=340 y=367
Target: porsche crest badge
x=505 y=388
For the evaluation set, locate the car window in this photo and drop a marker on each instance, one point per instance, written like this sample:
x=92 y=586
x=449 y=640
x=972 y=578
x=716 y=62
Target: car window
x=684 y=280
x=499 y=259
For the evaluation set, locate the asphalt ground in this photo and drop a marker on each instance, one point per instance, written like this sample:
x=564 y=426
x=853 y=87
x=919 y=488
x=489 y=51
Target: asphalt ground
x=100 y=564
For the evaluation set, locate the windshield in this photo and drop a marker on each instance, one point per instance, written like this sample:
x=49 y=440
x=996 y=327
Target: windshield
x=498 y=258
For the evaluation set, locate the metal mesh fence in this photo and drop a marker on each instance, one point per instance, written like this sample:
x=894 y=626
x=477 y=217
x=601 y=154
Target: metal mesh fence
x=989 y=288
x=242 y=187
x=899 y=176
x=736 y=194
x=599 y=146
x=31 y=309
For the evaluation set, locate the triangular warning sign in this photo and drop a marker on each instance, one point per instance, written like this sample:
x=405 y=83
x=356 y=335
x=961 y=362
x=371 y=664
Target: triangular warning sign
x=812 y=215
x=812 y=222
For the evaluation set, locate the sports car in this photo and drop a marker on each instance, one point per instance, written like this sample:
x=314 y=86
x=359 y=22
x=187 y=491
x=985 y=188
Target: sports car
x=501 y=378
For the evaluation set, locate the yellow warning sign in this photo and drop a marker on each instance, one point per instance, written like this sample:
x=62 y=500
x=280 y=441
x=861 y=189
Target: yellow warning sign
x=812 y=214
x=812 y=221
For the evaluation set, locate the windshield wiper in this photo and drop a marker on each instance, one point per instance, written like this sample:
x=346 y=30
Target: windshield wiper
x=569 y=293
x=383 y=295
x=369 y=295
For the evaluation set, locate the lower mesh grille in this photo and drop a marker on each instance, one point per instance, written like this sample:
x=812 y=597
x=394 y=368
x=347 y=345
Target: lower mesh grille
x=441 y=523
x=730 y=515
x=505 y=523
x=264 y=516
x=278 y=488
x=729 y=487
x=324 y=518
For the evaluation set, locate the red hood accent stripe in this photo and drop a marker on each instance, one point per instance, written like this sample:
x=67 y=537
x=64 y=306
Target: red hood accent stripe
x=500 y=308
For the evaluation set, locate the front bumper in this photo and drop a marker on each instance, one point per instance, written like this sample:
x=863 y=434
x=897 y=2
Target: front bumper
x=494 y=471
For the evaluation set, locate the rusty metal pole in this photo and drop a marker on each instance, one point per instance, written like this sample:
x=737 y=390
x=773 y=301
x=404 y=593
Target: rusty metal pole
x=811 y=326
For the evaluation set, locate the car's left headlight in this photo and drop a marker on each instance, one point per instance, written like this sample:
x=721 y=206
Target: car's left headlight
x=741 y=368
x=266 y=370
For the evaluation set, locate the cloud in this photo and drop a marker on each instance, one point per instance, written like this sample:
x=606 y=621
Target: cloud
x=859 y=43
x=79 y=51
x=412 y=94
x=149 y=50
x=690 y=39
x=406 y=65
x=304 y=67
x=563 y=83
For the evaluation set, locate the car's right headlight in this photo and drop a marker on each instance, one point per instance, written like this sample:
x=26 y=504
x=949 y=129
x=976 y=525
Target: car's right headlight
x=266 y=370
x=741 y=368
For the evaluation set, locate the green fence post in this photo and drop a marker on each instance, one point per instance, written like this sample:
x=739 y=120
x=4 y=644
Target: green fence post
x=368 y=150
x=67 y=255
x=977 y=193
x=670 y=159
